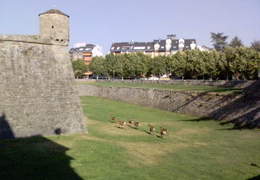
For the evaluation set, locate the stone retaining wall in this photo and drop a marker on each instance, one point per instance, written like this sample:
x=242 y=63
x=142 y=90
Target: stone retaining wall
x=241 y=109
x=218 y=83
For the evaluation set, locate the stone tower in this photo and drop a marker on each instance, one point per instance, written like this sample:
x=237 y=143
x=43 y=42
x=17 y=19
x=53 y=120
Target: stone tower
x=54 y=24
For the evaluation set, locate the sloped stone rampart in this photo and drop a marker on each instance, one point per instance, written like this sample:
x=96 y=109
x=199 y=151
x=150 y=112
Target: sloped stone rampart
x=218 y=83
x=241 y=109
x=38 y=95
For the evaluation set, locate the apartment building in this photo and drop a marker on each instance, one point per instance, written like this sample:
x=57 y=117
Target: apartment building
x=157 y=47
x=86 y=53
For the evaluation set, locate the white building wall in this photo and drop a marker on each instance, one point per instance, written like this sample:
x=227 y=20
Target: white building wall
x=97 y=51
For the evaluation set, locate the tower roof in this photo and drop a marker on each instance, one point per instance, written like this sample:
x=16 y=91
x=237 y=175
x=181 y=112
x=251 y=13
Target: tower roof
x=54 y=11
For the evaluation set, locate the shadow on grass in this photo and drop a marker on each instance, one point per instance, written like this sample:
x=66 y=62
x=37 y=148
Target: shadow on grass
x=111 y=121
x=235 y=127
x=122 y=128
x=243 y=112
x=225 y=89
x=133 y=127
x=32 y=158
x=161 y=137
x=254 y=178
x=147 y=132
x=197 y=120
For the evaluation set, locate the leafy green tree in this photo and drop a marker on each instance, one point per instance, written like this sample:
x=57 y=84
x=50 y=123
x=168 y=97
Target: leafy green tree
x=171 y=65
x=236 y=42
x=115 y=65
x=243 y=62
x=211 y=60
x=219 y=41
x=179 y=64
x=223 y=66
x=249 y=62
x=79 y=68
x=141 y=64
x=130 y=61
x=110 y=64
x=157 y=66
x=195 y=66
x=256 y=45
x=97 y=66
x=235 y=62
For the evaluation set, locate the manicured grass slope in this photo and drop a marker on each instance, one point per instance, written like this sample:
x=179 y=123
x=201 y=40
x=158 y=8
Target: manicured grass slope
x=192 y=150
x=177 y=87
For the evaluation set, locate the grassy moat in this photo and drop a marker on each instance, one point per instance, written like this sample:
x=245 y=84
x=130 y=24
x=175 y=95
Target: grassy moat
x=177 y=87
x=191 y=150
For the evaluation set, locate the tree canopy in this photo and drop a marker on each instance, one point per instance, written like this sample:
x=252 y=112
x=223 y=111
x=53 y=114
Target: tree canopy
x=219 y=41
x=79 y=68
x=97 y=66
x=236 y=42
x=256 y=45
x=236 y=63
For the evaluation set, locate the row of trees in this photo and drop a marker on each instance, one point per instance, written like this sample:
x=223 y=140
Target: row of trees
x=238 y=63
x=226 y=61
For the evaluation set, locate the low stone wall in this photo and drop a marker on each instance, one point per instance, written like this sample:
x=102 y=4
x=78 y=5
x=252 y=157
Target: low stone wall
x=238 y=108
x=218 y=83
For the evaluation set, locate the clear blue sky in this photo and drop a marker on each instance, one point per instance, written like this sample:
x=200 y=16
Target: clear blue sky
x=104 y=21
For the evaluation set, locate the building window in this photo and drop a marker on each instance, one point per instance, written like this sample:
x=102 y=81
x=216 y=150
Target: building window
x=118 y=48
x=112 y=48
x=52 y=27
x=142 y=47
x=126 y=47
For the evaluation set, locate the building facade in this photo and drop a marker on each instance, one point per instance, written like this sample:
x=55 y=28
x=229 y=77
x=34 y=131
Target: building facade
x=85 y=53
x=203 y=48
x=157 y=47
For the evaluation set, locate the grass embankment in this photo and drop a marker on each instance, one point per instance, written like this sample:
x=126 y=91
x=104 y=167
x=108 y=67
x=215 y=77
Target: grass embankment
x=177 y=87
x=192 y=150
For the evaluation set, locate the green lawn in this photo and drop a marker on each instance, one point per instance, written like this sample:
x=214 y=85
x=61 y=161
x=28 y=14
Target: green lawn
x=191 y=150
x=178 y=87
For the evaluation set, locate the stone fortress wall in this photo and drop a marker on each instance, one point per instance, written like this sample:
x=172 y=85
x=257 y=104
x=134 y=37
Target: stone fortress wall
x=38 y=95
